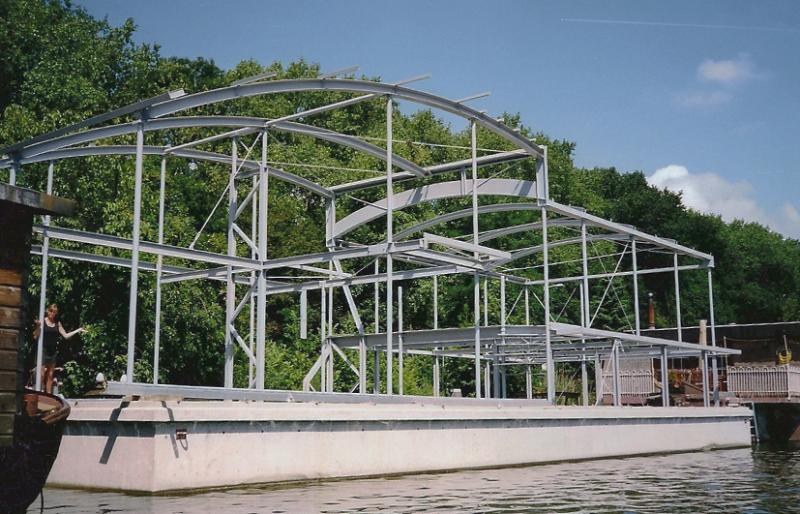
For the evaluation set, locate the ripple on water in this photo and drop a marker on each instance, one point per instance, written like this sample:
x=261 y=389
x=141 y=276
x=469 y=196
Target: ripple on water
x=761 y=480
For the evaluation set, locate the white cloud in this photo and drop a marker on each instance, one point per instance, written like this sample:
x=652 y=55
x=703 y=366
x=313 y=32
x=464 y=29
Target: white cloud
x=711 y=193
x=727 y=72
x=703 y=99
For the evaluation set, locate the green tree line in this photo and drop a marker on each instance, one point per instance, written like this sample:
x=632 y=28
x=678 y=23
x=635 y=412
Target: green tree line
x=59 y=65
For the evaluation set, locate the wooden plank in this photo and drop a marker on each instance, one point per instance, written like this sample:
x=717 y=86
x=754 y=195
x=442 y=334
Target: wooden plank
x=8 y=402
x=9 y=339
x=8 y=360
x=10 y=317
x=10 y=296
x=8 y=381
x=10 y=277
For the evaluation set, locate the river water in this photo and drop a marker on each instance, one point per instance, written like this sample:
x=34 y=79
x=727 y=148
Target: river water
x=758 y=480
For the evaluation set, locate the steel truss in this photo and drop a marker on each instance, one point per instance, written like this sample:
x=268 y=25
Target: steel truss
x=402 y=258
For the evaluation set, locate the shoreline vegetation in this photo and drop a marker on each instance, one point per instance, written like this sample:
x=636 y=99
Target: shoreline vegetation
x=60 y=65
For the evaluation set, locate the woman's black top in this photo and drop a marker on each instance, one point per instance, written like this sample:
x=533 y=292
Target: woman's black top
x=50 y=343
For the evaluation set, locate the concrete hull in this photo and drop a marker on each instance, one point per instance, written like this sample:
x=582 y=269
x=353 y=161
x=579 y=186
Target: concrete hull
x=140 y=446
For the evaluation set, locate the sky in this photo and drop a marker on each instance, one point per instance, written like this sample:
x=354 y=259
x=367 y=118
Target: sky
x=702 y=97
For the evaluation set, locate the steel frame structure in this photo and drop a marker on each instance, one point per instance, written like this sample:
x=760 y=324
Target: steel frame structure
x=399 y=259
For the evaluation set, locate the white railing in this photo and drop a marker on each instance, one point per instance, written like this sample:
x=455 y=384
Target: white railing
x=761 y=381
x=637 y=382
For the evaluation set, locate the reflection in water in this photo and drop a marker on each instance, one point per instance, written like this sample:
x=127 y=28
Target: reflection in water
x=761 y=480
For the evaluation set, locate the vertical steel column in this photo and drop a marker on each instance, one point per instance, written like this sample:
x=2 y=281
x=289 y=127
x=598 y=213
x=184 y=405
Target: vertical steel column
x=485 y=301
x=376 y=372
x=584 y=383
x=253 y=293
x=677 y=297
x=615 y=364
x=400 y=340
x=137 y=215
x=487 y=382
x=599 y=383
x=527 y=307
x=389 y=240
x=12 y=174
x=436 y=364
x=714 y=370
x=329 y=361
x=230 y=285
x=551 y=375
x=323 y=345
x=635 y=286
x=585 y=267
x=476 y=286
x=528 y=382
x=664 y=376
x=261 y=307
x=704 y=369
x=159 y=264
x=43 y=289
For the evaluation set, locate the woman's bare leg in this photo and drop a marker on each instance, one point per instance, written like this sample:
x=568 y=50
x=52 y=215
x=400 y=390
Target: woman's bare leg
x=49 y=375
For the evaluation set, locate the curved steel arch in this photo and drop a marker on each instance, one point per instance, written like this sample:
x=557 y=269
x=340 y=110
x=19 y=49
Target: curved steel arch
x=188 y=153
x=440 y=190
x=355 y=86
x=464 y=213
x=96 y=134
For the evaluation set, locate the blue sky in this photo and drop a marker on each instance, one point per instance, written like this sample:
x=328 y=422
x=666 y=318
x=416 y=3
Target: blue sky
x=701 y=97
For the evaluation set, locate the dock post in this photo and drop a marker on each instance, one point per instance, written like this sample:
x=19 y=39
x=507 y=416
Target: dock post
x=584 y=383
x=261 y=303
x=677 y=298
x=477 y=286
x=615 y=366
x=664 y=376
x=704 y=369
x=389 y=239
x=159 y=264
x=436 y=363
x=43 y=291
x=528 y=382
x=137 y=215
x=400 y=340
x=487 y=382
x=714 y=371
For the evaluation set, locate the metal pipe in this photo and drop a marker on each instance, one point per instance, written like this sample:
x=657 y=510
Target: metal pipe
x=261 y=308
x=230 y=285
x=664 y=376
x=635 y=287
x=528 y=383
x=252 y=294
x=551 y=377
x=714 y=370
x=677 y=297
x=475 y=238
x=159 y=264
x=436 y=363
x=704 y=369
x=389 y=240
x=400 y=340
x=137 y=214
x=599 y=383
x=585 y=268
x=12 y=175
x=584 y=383
x=376 y=372
x=615 y=364
x=527 y=307
x=43 y=289
x=485 y=301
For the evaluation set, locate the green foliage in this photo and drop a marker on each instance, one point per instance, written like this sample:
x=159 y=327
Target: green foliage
x=59 y=65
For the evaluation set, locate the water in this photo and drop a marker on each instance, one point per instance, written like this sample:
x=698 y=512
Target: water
x=759 y=480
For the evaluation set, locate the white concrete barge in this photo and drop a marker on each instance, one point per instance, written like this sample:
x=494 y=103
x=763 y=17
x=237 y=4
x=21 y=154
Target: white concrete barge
x=152 y=446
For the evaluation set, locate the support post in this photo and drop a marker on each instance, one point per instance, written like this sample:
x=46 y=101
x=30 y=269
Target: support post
x=261 y=307
x=528 y=382
x=400 y=340
x=436 y=359
x=476 y=280
x=43 y=289
x=230 y=285
x=714 y=370
x=376 y=372
x=599 y=383
x=527 y=306
x=677 y=298
x=664 y=376
x=487 y=382
x=585 y=269
x=584 y=383
x=704 y=369
x=389 y=239
x=635 y=287
x=12 y=173
x=159 y=264
x=137 y=214
x=323 y=369
x=615 y=365
x=551 y=376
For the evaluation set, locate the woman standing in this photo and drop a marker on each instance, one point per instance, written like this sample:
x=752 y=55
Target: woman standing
x=52 y=330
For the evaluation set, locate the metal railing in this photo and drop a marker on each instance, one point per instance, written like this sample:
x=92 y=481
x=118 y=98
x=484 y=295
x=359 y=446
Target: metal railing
x=764 y=381
x=637 y=382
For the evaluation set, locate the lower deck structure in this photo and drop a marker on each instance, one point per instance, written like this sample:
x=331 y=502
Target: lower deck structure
x=152 y=446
